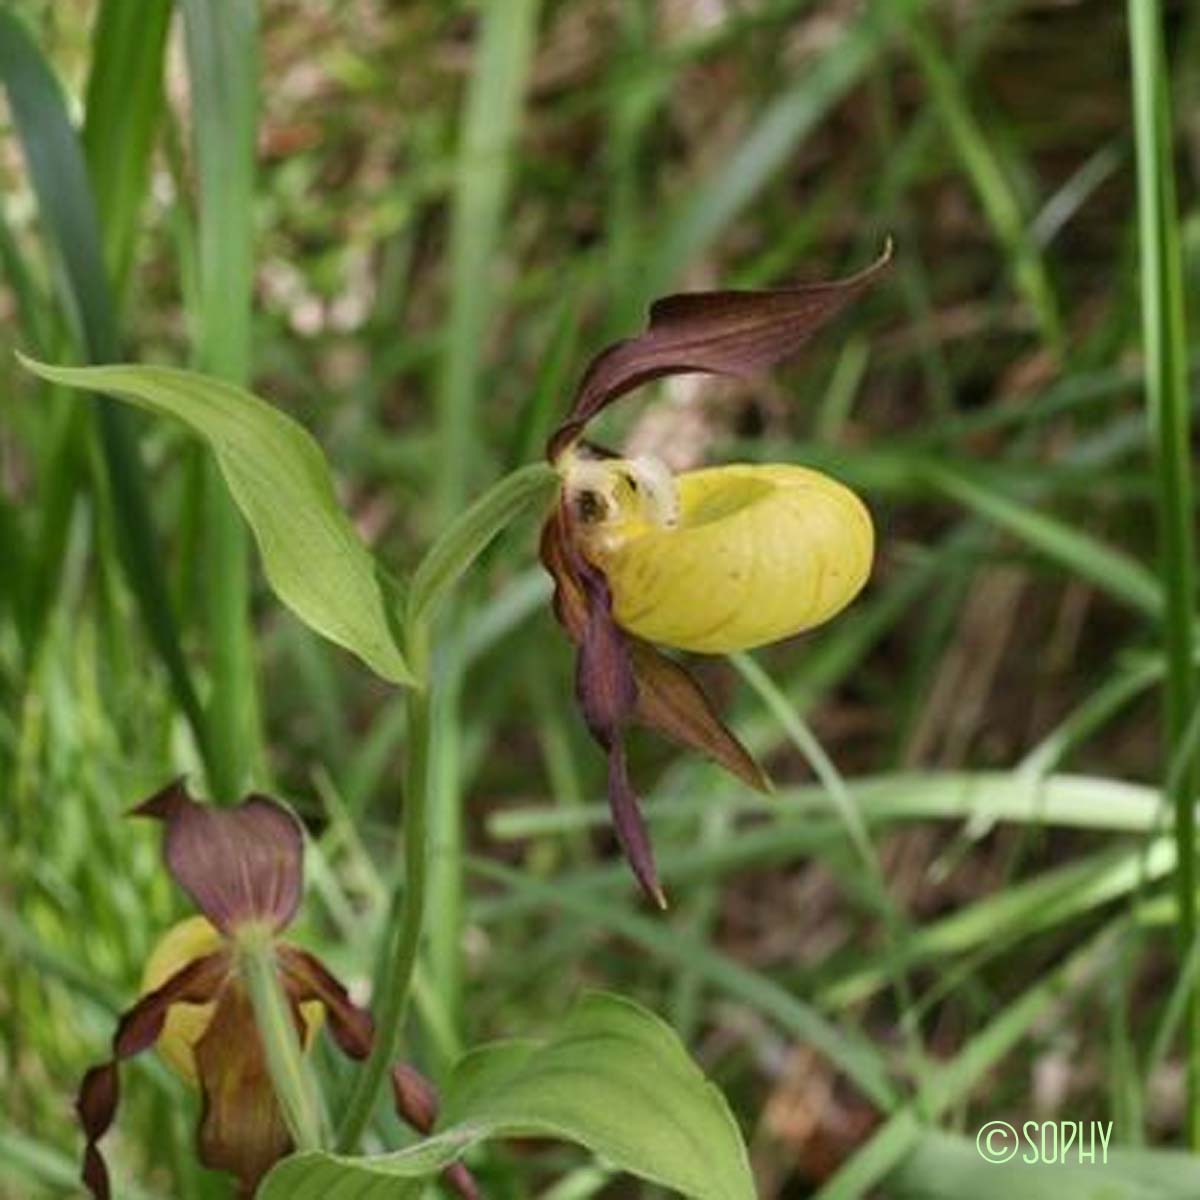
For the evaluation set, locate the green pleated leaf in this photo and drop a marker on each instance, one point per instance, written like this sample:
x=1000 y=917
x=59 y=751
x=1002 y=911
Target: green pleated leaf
x=279 y=478
x=614 y=1078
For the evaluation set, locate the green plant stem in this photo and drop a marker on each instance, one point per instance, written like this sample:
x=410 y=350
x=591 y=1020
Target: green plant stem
x=1168 y=403
x=402 y=950
x=295 y=1087
x=484 y=167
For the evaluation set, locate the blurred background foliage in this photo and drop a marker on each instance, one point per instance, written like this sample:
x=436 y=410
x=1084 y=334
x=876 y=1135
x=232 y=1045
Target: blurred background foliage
x=454 y=206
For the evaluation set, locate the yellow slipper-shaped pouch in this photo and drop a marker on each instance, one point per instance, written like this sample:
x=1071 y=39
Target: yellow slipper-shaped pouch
x=726 y=558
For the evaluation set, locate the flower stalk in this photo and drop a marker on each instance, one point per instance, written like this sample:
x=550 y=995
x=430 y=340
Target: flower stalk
x=295 y=1087
x=448 y=558
x=225 y=997
x=402 y=951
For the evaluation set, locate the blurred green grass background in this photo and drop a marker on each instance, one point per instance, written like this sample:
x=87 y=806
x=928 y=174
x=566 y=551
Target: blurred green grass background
x=450 y=207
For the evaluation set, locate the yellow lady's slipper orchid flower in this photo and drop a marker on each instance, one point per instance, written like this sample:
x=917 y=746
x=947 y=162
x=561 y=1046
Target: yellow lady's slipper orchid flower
x=243 y=866
x=712 y=561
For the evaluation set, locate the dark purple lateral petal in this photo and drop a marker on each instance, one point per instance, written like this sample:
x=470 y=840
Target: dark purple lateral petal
x=306 y=978
x=239 y=864
x=570 y=602
x=671 y=702
x=629 y=826
x=604 y=681
x=197 y=983
x=462 y=1181
x=608 y=695
x=717 y=333
x=96 y=1107
x=417 y=1104
x=416 y=1099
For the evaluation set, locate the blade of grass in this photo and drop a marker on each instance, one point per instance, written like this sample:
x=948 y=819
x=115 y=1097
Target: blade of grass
x=711 y=205
x=635 y=99
x=60 y=182
x=851 y=1054
x=221 y=42
x=540 y=411
x=897 y=1137
x=491 y=118
x=123 y=106
x=1175 y=1009
x=31 y=308
x=996 y=196
x=484 y=168
x=1164 y=333
x=1118 y=689
x=1081 y=554
x=1021 y=910
x=984 y=797
x=58 y=174
x=402 y=943
x=896 y=934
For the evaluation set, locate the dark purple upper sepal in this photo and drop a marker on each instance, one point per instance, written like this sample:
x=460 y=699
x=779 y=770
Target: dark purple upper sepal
x=242 y=864
x=715 y=333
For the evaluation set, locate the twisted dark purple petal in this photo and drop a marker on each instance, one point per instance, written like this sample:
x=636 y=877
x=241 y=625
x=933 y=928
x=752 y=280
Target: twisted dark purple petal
x=608 y=696
x=197 y=983
x=629 y=826
x=416 y=1101
x=668 y=700
x=305 y=977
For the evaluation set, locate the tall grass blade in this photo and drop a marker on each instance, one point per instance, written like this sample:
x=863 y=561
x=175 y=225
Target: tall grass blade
x=1078 y=553
x=897 y=1138
x=221 y=40
x=996 y=196
x=1164 y=333
x=486 y=153
x=483 y=174
x=25 y=292
x=60 y=182
x=712 y=205
x=124 y=106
